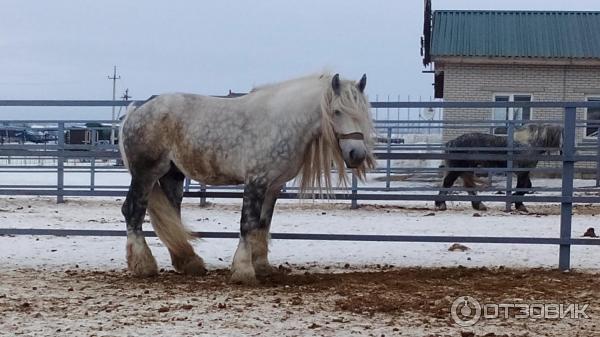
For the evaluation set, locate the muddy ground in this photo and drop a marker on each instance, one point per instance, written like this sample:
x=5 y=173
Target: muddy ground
x=377 y=301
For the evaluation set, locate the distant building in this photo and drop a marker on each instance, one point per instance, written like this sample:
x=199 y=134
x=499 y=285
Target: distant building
x=514 y=56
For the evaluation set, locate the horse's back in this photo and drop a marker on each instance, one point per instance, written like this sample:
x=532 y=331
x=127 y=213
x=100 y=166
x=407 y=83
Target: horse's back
x=480 y=141
x=190 y=131
x=477 y=139
x=497 y=146
x=148 y=131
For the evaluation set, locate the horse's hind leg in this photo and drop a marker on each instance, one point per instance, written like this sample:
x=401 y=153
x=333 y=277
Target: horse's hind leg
x=469 y=182
x=449 y=180
x=140 y=261
x=253 y=237
x=169 y=229
x=523 y=181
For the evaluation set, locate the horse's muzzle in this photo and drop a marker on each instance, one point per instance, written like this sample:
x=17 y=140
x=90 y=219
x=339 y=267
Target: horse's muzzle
x=353 y=149
x=355 y=158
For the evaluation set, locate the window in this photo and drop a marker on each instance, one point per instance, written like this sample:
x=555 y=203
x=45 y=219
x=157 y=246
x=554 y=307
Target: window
x=509 y=114
x=593 y=119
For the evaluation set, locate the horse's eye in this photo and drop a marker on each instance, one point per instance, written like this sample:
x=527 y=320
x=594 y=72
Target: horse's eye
x=337 y=112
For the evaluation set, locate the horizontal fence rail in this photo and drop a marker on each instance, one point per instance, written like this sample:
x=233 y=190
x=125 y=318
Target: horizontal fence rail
x=317 y=237
x=395 y=155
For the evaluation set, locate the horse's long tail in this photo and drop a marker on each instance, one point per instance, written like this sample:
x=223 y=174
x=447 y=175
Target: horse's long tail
x=166 y=221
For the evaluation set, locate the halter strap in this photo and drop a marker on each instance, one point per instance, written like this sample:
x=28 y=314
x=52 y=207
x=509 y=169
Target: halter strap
x=353 y=135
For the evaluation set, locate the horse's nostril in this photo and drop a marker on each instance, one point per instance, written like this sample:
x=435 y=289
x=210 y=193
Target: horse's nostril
x=352 y=154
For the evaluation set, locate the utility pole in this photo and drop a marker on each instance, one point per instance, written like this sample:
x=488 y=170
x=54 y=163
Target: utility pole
x=125 y=98
x=114 y=78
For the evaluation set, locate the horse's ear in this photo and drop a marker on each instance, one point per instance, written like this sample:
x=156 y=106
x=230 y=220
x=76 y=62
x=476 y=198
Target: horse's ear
x=362 y=83
x=335 y=84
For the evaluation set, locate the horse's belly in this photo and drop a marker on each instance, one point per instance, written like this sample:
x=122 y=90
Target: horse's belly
x=219 y=180
x=209 y=169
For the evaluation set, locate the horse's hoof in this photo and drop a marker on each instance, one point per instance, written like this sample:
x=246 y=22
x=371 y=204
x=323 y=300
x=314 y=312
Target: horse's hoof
x=480 y=207
x=193 y=265
x=143 y=271
x=440 y=207
x=143 y=268
x=521 y=208
x=243 y=277
x=140 y=261
x=264 y=270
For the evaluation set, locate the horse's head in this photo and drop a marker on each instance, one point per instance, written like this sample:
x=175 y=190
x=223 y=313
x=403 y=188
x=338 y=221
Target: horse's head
x=350 y=120
x=346 y=136
x=541 y=135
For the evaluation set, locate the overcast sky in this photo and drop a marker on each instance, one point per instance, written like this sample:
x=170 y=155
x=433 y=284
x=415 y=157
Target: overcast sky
x=65 y=49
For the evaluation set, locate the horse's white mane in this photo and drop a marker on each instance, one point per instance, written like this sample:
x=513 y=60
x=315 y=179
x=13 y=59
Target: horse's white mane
x=324 y=154
x=310 y=77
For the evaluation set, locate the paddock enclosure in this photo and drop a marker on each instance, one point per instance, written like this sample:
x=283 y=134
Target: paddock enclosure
x=347 y=265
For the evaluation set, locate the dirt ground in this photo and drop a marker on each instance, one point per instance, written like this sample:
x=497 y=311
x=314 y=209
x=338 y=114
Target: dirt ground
x=57 y=297
x=377 y=301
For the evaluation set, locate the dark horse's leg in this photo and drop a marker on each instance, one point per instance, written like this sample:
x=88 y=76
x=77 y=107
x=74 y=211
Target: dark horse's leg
x=449 y=180
x=469 y=182
x=523 y=181
x=140 y=261
x=182 y=253
x=251 y=255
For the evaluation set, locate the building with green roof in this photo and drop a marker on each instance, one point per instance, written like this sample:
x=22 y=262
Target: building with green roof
x=513 y=56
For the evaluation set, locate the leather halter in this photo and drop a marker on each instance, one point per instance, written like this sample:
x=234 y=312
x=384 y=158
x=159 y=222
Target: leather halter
x=353 y=135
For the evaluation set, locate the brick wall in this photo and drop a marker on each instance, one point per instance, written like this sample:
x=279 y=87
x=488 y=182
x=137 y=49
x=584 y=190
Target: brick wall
x=472 y=82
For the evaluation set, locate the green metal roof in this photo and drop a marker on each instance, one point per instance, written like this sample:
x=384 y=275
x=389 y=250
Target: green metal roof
x=530 y=34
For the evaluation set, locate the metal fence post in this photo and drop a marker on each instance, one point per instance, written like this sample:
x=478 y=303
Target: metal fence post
x=203 y=198
x=60 y=160
x=93 y=173
x=510 y=138
x=388 y=168
x=568 y=174
x=598 y=157
x=93 y=160
x=186 y=184
x=354 y=192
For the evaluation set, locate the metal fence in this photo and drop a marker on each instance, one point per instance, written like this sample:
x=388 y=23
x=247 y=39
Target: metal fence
x=394 y=157
x=415 y=120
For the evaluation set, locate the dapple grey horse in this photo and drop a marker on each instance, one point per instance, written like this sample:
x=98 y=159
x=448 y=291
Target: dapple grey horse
x=304 y=126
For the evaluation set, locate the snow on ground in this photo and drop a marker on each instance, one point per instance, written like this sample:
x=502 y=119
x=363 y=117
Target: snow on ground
x=64 y=286
x=291 y=216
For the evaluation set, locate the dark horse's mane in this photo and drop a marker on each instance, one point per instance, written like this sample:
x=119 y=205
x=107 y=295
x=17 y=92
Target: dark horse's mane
x=532 y=139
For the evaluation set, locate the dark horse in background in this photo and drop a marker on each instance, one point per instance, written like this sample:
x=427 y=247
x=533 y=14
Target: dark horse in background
x=533 y=139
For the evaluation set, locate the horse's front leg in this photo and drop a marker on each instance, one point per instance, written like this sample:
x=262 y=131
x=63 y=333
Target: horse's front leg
x=260 y=250
x=523 y=181
x=252 y=237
